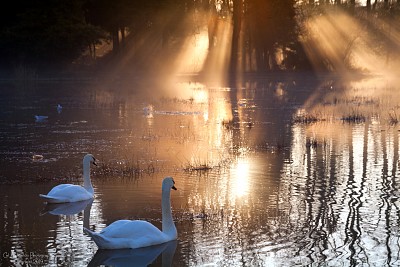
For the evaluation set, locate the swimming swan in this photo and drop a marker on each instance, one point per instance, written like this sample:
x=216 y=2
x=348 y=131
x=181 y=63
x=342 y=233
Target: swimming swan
x=136 y=234
x=64 y=193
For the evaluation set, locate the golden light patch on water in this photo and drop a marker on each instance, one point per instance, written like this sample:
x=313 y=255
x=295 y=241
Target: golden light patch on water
x=211 y=110
x=372 y=99
x=196 y=93
x=240 y=172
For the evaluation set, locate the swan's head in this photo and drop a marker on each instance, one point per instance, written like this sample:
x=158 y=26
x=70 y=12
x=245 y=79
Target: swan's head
x=89 y=158
x=168 y=183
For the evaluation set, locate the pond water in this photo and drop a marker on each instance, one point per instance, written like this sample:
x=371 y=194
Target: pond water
x=271 y=171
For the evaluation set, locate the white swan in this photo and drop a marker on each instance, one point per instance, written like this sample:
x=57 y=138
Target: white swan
x=64 y=193
x=136 y=234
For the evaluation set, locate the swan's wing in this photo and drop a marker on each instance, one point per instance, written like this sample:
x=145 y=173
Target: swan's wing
x=59 y=188
x=131 y=229
x=114 y=226
x=69 y=191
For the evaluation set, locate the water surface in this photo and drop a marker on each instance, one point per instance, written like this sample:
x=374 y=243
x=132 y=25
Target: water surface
x=258 y=183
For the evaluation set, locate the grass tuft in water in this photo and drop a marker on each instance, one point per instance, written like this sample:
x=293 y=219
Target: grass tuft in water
x=228 y=124
x=354 y=118
x=198 y=167
x=314 y=143
x=311 y=143
x=206 y=166
x=125 y=169
x=306 y=119
x=393 y=118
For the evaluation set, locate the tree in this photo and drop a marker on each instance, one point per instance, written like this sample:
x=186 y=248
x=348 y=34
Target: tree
x=272 y=25
x=46 y=32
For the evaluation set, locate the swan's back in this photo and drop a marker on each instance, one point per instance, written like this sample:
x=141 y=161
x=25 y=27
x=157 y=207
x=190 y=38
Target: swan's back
x=59 y=188
x=69 y=193
x=69 y=190
x=131 y=229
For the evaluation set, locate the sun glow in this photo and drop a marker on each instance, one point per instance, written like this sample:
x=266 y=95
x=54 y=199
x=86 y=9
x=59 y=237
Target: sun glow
x=341 y=41
x=240 y=174
x=194 y=53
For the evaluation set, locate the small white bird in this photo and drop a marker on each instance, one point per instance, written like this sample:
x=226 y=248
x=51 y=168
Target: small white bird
x=37 y=157
x=64 y=193
x=148 y=111
x=137 y=233
x=40 y=118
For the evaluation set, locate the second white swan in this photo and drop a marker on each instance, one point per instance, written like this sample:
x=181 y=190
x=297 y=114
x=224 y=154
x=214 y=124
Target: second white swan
x=137 y=233
x=65 y=193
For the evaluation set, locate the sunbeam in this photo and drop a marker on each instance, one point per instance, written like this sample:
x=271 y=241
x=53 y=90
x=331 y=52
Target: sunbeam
x=193 y=55
x=340 y=42
x=330 y=41
x=216 y=67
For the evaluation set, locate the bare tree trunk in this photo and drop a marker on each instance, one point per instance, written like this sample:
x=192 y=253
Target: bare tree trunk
x=94 y=50
x=368 y=6
x=115 y=38
x=237 y=25
x=212 y=27
x=352 y=5
x=122 y=37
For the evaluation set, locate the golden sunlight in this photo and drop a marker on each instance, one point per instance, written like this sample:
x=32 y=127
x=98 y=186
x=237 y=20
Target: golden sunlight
x=342 y=42
x=194 y=53
x=195 y=92
x=217 y=63
x=240 y=174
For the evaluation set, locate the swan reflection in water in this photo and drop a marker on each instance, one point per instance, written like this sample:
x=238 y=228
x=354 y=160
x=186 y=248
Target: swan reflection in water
x=70 y=208
x=135 y=257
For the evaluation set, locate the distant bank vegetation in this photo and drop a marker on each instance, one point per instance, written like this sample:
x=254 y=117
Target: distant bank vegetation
x=263 y=35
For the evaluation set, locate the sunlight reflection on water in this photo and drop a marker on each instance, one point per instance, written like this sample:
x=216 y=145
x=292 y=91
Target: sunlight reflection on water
x=254 y=188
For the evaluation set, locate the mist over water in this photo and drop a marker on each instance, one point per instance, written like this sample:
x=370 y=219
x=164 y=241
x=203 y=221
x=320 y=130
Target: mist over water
x=275 y=171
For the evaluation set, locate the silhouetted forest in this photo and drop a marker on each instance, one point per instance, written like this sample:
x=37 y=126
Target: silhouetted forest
x=264 y=35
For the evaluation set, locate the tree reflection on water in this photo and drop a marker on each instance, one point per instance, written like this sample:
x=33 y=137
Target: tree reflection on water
x=263 y=189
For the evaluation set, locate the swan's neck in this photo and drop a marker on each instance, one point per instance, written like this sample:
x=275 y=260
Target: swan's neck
x=87 y=184
x=168 y=226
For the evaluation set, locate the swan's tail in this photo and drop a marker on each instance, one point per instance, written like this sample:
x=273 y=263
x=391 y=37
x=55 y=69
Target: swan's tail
x=100 y=241
x=50 y=199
